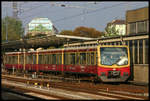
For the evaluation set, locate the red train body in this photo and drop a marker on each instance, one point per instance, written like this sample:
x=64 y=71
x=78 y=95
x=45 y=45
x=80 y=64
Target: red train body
x=79 y=60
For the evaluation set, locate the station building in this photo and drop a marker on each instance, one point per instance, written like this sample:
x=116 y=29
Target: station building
x=137 y=22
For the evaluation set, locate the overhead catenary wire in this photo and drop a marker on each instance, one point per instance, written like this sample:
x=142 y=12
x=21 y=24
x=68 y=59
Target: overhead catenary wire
x=88 y=12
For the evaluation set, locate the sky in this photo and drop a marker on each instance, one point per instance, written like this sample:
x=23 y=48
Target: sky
x=74 y=14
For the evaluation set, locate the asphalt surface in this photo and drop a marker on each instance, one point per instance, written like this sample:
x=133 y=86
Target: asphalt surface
x=9 y=94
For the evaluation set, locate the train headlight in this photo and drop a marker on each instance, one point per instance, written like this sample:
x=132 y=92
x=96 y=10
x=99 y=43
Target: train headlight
x=103 y=74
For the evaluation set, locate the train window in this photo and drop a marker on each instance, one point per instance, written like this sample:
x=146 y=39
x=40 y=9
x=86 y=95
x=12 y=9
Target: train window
x=45 y=58
x=26 y=59
x=53 y=58
x=77 y=58
x=96 y=58
x=34 y=59
x=65 y=58
x=57 y=59
x=29 y=59
x=14 y=59
x=60 y=58
x=20 y=59
x=82 y=58
x=10 y=58
x=48 y=59
x=40 y=58
x=72 y=58
x=92 y=58
x=88 y=58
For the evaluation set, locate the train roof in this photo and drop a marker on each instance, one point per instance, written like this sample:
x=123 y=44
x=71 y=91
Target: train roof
x=65 y=49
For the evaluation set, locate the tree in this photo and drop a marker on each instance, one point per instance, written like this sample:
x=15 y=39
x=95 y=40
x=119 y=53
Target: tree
x=110 y=30
x=67 y=32
x=13 y=28
x=83 y=32
x=87 y=32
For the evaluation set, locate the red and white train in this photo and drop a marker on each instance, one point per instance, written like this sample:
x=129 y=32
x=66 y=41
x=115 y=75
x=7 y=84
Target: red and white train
x=108 y=63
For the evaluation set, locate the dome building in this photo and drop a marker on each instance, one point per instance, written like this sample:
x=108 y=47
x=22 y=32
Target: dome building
x=41 y=26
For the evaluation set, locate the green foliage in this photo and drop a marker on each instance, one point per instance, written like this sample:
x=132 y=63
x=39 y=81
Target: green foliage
x=111 y=31
x=13 y=27
x=83 y=32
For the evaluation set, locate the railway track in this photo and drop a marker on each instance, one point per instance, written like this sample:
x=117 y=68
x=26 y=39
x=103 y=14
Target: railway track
x=70 y=90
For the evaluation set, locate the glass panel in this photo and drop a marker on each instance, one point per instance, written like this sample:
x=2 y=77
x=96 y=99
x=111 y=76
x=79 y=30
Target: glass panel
x=82 y=58
x=135 y=52
x=72 y=58
x=147 y=52
x=140 y=51
x=53 y=58
x=92 y=58
x=132 y=28
x=88 y=58
x=131 y=50
x=113 y=55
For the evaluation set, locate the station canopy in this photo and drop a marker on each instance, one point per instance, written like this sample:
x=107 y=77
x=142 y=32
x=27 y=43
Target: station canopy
x=44 y=42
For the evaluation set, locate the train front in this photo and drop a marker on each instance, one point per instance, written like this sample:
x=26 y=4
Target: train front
x=113 y=63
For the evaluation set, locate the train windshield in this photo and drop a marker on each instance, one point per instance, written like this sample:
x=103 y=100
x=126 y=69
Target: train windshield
x=113 y=55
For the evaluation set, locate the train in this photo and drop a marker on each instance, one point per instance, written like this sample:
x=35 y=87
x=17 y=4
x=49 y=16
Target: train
x=107 y=63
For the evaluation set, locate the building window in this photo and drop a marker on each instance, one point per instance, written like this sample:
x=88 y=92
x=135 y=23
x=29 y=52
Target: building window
x=135 y=52
x=140 y=51
x=142 y=26
x=132 y=28
x=147 y=52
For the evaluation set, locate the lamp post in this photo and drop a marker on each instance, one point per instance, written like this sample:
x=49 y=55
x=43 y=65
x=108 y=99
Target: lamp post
x=6 y=25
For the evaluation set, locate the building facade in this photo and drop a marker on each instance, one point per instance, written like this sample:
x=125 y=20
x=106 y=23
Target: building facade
x=137 y=21
x=40 y=26
x=119 y=26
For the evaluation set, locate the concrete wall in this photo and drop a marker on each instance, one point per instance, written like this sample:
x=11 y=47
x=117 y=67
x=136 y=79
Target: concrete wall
x=141 y=73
